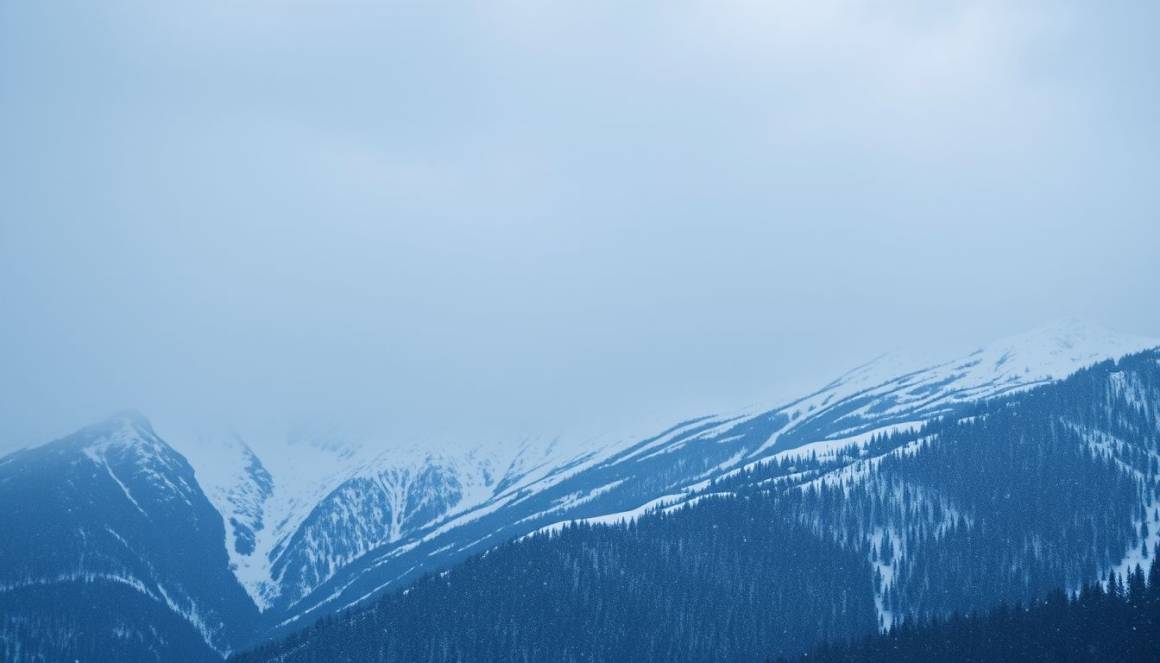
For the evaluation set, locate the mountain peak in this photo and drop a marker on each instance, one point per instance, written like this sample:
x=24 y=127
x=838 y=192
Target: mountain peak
x=125 y=434
x=1060 y=348
x=1070 y=332
x=128 y=420
x=125 y=428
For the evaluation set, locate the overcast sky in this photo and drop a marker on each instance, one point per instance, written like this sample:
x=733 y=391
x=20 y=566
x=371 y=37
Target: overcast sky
x=470 y=220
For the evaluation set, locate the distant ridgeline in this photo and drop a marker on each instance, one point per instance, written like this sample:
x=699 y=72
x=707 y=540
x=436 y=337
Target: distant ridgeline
x=1046 y=490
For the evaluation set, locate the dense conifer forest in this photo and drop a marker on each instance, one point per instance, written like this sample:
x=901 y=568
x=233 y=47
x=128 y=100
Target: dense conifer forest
x=1114 y=622
x=70 y=622
x=715 y=582
x=1002 y=504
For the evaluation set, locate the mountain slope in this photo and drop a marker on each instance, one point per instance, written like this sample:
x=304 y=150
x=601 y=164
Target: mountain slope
x=377 y=537
x=112 y=510
x=1118 y=623
x=1052 y=487
x=709 y=583
x=257 y=535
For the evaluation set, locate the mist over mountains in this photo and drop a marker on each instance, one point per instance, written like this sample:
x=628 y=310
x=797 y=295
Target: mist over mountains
x=282 y=533
x=375 y=331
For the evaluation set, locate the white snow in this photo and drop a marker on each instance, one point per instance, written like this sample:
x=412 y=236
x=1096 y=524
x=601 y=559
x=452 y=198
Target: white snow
x=307 y=468
x=101 y=461
x=614 y=518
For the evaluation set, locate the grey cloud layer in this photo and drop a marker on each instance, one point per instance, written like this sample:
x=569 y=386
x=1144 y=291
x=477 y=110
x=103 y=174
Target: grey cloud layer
x=501 y=218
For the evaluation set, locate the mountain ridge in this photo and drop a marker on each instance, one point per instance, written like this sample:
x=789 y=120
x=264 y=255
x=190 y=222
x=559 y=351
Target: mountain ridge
x=887 y=393
x=325 y=525
x=1015 y=497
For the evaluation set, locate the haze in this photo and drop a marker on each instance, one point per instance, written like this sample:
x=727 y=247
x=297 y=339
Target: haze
x=471 y=221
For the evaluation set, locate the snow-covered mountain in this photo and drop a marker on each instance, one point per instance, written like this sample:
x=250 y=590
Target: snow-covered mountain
x=1014 y=499
x=111 y=521
x=344 y=520
x=319 y=502
x=313 y=522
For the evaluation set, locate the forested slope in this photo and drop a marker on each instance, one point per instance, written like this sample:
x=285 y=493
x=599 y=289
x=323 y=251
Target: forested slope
x=1044 y=490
